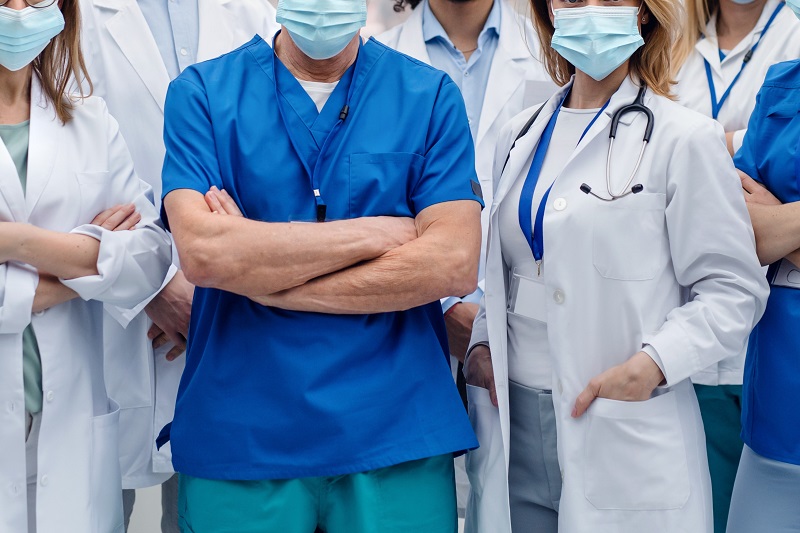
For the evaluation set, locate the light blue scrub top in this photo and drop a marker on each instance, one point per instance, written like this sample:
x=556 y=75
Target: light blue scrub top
x=472 y=78
x=275 y=394
x=175 y=25
x=771 y=393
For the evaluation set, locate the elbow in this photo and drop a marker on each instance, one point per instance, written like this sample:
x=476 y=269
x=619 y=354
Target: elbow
x=199 y=265
x=463 y=277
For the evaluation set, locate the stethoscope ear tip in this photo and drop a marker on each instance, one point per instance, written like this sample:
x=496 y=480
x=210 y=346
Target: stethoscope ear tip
x=586 y=189
x=636 y=189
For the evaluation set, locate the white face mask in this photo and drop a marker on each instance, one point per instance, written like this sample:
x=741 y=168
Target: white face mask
x=24 y=33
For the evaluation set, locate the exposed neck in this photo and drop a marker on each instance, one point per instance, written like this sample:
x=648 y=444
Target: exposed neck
x=588 y=93
x=307 y=69
x=736 y=21
x=462 y=20
x=15 y=95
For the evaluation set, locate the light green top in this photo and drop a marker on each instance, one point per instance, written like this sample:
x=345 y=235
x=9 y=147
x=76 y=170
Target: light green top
x=16 y=137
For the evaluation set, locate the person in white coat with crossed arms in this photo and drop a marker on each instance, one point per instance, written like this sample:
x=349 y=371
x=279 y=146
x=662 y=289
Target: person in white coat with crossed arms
x=133 y=49
x=621 y=262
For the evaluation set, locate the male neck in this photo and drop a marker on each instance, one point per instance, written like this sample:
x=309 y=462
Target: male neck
x=463 y=21
x=736 y=21
x=319 y=70
x=15 y=95
x=588 y=93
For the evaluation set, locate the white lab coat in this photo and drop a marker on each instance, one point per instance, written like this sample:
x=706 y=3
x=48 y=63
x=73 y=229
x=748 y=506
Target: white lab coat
x=129 y=73
x=781 y=43
x=74 y=172
x=517 y=80
x=673 y=267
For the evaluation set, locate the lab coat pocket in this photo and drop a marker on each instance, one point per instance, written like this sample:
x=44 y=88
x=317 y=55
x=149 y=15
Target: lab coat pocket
x=94 y=189
x=486 y=467
x=106 y=480
x=382 y=184
x=630 y=237
x=636 y=456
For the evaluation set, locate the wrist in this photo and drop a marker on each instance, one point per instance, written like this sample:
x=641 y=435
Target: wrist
x=645 y=370
x=12 y=239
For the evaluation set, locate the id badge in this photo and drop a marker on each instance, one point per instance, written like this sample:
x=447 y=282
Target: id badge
x=787 y=275
x=527 y=297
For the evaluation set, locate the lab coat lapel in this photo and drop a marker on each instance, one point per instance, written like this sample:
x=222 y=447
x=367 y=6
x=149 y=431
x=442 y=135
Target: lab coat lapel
x=507 y=72
x=411 y=40
x=521 y=155
x=13 y=207
x=43 y=148
x=217 y=27
x=130 y=31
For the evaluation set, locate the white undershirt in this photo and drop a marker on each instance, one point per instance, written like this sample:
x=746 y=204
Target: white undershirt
x=529 y=360
x=318 y=91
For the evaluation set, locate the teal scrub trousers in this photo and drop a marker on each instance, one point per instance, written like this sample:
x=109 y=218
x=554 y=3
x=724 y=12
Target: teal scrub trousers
x=721 y=407
x=417 y=496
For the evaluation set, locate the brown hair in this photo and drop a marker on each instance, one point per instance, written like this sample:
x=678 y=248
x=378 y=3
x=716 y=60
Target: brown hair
x=650 y=63
x=60 y=67
x=698 y=13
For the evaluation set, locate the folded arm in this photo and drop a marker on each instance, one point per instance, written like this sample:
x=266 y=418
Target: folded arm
x=441 y=262
x=776 y=225
x=256 y=259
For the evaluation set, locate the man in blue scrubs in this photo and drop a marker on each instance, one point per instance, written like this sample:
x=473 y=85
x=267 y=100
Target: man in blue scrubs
x=317 y=392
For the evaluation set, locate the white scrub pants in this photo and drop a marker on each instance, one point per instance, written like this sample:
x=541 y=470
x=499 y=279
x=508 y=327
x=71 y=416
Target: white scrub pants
x=169 y=505
x=34 y=423
x=766 y=496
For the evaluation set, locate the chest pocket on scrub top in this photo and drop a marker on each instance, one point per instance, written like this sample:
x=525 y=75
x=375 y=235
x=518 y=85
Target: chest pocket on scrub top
x=629 y=239
x=382 y=184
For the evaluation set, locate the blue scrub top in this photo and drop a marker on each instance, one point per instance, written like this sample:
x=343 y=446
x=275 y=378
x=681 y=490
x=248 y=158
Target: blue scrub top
x=275 y=394
x=770 y=415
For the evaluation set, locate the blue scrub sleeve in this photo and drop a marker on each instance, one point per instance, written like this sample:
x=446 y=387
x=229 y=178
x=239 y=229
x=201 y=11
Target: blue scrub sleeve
x=449 y=170
x=746 y=157
x=191 y=158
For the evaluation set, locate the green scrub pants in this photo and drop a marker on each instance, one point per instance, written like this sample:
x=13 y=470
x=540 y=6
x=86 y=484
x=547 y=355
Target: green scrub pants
x=721 y=407
x=418 y=496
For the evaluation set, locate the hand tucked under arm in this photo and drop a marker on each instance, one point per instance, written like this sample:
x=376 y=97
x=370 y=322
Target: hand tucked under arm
x=51 y=292
x=254 y=258
x=443 y=261
x=776 y=225
x=170 y=312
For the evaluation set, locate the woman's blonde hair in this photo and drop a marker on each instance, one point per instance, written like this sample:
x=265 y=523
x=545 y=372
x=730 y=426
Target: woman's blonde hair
x=698 y=13
x=651 y=63
x=60 y=67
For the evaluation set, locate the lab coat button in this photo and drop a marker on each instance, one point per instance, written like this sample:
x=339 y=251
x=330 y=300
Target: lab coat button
x=38 y=313
x=44 y=481
x=559 y=297
x=50 y=396
x=560 y=204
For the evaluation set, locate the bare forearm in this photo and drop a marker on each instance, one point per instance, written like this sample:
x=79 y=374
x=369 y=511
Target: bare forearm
x=777 y=230
x=51 y=292
x=63 y=255
x=258 y=258
x=442 y=262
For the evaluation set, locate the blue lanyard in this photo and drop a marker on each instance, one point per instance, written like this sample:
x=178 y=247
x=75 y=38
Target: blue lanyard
x=314 y=174
x=716 y=106
x=535 y=235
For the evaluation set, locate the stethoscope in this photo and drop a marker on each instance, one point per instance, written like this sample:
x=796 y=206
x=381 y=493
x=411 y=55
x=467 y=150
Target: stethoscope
x=636 y=107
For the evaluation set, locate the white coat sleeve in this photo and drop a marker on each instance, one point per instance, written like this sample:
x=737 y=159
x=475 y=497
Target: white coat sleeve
x=480 y=331
x=714 y=257
x=132 y=264
x=17 y=290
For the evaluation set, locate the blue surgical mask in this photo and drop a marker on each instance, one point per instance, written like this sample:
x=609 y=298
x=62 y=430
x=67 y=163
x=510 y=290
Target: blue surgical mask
x=596 y=40
x=321 y=29
x=794 y=5
x=24 y=33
